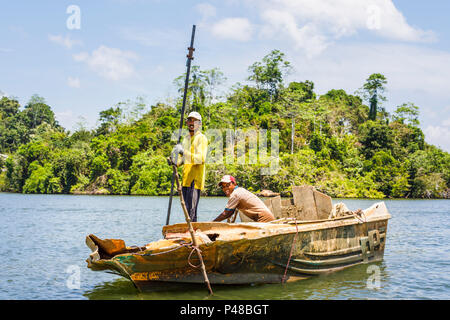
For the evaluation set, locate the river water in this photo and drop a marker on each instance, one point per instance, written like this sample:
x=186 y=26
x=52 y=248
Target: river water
x=43 y=251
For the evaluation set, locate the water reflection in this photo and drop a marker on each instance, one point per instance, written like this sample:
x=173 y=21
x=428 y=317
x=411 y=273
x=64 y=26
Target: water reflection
x=112 y=290
x=351 y=283
x=37 y=229
x=124 y=289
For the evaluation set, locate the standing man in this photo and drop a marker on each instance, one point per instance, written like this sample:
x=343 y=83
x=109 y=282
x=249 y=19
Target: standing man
x=243 y=200
x=192 y=153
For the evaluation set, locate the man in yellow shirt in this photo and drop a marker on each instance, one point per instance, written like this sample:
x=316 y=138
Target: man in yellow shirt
x=193 y=151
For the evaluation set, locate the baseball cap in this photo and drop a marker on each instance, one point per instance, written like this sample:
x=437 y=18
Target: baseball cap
x=226 y=179
x=194 y=115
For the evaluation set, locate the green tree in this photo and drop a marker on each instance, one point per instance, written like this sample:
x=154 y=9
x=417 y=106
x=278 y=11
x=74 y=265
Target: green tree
x=36 y=112
x=347 y=111
x=373 y=90
x=268 y=74
x=13 y=132
x=109 y=120
x=336 y=148
x=41 y=179
x=202 y=90
x=150 y=175
x=429 y=172
x=8 y=107
x=388 y=173
x=118 y=181
x=407 y=112
x=375 y=136
x=99 y=165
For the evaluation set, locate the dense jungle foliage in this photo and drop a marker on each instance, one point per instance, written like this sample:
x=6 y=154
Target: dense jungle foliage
x=346 y=145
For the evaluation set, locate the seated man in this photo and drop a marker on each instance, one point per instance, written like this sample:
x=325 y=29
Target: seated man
x=243 y=200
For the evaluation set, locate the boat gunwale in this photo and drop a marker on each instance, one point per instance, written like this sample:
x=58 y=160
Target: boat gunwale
x=257 y=230
x=305 y=225
x=284 y=231
x=286 y=228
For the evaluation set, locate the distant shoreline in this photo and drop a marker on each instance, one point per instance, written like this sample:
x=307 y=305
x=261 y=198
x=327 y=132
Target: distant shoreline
x=203 y=196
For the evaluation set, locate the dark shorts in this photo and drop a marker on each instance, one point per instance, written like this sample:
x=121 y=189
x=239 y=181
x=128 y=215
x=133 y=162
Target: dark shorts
x=191 y=197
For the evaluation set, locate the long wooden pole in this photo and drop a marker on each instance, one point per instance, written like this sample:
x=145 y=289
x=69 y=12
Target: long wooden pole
x=191 y=230
x=190 y=57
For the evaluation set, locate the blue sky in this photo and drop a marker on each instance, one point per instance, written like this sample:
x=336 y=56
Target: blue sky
x=129 y=48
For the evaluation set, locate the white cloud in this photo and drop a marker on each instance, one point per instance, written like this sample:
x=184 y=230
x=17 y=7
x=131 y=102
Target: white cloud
x=64 y=41
x=73 y=122
x=308 y=37
x=393 y=25
x=239 y=29
x=206 y=10
x=312 y=25
x=159 y=69
x=446 y=122
x=110 y=63
x=438 y=136
x=65 y=118
x=149 y=38
x=73 y=82
x=410 y=70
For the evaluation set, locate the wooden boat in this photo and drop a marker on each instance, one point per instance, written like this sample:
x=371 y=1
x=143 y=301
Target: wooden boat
x=286 y=249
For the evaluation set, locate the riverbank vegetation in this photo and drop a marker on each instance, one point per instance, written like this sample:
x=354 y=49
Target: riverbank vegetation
x=346 y=145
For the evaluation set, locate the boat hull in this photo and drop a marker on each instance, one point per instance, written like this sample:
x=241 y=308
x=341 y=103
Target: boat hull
x=246 y=253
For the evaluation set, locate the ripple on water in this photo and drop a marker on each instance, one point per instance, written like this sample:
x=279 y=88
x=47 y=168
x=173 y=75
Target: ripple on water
x=44 y=239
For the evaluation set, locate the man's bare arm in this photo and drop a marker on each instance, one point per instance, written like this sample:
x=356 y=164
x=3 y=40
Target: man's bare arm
x=224 y=215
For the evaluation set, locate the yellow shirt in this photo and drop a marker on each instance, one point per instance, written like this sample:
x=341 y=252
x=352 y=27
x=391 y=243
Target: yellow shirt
x=194 y=156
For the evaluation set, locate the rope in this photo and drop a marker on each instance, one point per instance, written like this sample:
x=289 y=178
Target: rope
x=194 y=248
x=358 y=213
x=283 y=280
x=158 y=253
